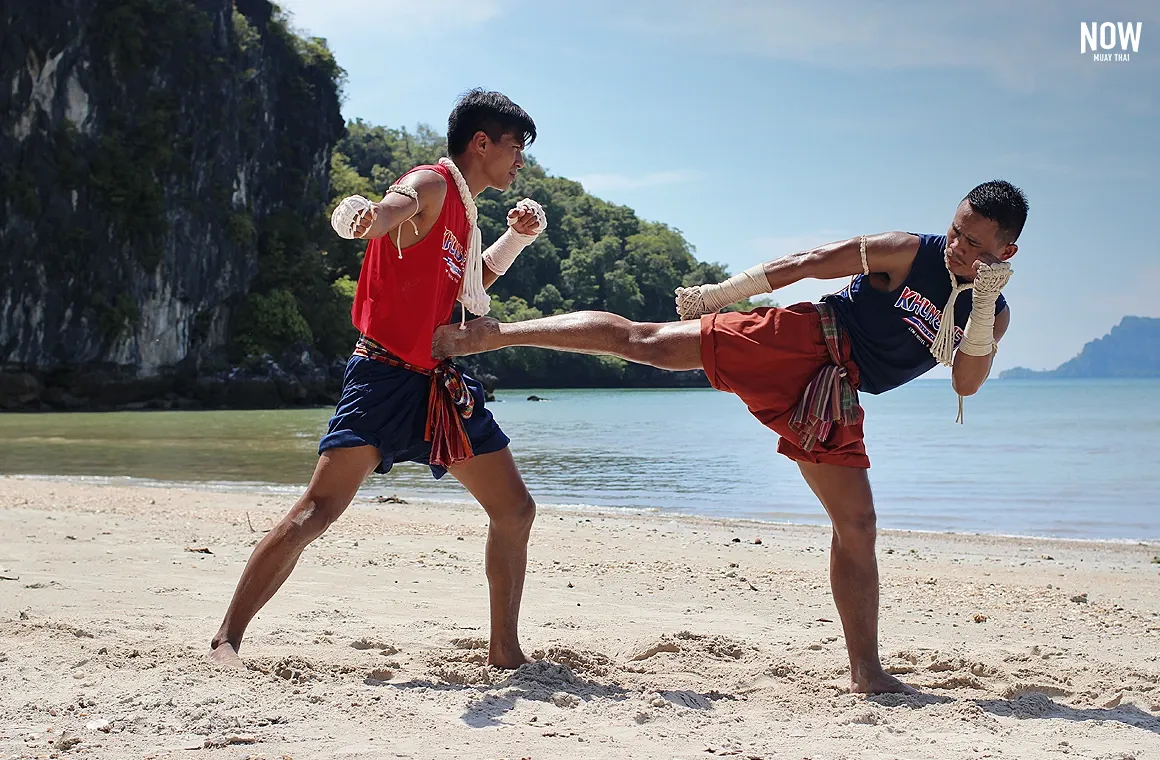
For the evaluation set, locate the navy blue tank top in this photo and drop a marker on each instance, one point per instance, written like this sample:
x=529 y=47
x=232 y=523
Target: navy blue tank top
x=891 y=332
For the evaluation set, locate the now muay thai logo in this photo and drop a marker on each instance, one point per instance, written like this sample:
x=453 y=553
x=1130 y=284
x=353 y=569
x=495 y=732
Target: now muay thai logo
x=1102 y=39
x=924 y=317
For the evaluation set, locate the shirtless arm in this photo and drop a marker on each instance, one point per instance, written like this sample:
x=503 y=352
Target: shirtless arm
x=525 y=223
x=888 y=254
x=396 y=208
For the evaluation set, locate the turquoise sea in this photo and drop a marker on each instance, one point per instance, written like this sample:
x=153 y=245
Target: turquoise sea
x=1077 y=459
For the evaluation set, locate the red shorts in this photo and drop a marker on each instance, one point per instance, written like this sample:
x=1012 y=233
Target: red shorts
x=767 y=357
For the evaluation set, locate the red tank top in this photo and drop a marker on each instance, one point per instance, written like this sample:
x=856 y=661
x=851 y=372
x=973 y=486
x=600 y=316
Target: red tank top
x=400 y=302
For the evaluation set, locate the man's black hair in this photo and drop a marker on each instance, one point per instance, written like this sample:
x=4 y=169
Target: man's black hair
x=1002 y=203
x=492 y=113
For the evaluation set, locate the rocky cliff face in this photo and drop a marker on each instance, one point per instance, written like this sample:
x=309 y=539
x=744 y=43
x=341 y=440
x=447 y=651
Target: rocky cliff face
x=146 y=148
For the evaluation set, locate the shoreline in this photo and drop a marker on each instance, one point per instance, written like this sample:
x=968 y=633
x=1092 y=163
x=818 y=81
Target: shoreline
x=655 y=635
x=293 y=490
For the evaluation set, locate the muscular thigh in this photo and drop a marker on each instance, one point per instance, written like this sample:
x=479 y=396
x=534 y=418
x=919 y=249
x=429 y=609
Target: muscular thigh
x=337 y=478
x=495 y=482
x=670 y=345
x=843 y=491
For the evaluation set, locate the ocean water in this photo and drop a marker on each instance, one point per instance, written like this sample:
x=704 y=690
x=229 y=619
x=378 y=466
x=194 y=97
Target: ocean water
x=1075 y=459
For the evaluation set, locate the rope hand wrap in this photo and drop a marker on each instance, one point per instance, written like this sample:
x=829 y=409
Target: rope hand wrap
x=536 y=210
x=988 y=283
x=708 y=299
x=501 y=254
x=471 y=293
x=979 y=337
x=353 y=209
x=348 y=215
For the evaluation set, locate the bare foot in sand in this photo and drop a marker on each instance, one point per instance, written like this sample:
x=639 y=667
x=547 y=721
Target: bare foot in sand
x=225 y=656
x=508 y=660
x=879 y=683
x=473 y=338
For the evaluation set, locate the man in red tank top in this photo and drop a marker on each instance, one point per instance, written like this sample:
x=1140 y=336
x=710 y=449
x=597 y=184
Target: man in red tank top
x=400 y=404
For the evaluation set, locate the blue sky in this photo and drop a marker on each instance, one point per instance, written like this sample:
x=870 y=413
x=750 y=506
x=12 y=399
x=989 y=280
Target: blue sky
x=759 y=128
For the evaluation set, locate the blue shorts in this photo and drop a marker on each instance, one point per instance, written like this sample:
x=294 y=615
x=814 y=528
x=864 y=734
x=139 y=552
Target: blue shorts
x=386 y=407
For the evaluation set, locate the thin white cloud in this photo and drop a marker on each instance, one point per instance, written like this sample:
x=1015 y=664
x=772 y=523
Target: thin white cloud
x=390 y=20
x=779 y=245
x=1099 y=167
x=612 y=183
x=1023 y=44
x=767 y=248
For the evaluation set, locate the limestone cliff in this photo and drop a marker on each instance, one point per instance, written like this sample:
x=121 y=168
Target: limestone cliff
x=149 y=152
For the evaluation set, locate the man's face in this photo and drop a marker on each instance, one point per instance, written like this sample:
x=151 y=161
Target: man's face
x=502 y=160
x=973 y=238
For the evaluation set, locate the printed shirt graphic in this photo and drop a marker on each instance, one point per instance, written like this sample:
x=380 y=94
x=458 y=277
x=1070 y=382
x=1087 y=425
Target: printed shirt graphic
x=924 y=318
x=891 y=332
x=400 y=301
x=455 y=258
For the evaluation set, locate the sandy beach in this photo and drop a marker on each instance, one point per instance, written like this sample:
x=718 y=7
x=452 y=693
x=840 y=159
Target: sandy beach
x=656 y=637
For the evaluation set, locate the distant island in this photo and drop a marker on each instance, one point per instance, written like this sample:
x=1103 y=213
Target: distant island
x=1131 y=349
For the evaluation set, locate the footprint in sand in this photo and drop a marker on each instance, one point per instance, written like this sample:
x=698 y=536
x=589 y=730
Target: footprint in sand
x=863 y=718
x=1032 y=705
x=652 y=650
x=720 y=647
x=565 y=700
x=469 y=642
x=714 y=646
x=958 y=682
x=378 y=676
x=365 y=643
x=937 y=662
x=1019 y=691
x=462 y=674
x=294 y=669
x=587 y=662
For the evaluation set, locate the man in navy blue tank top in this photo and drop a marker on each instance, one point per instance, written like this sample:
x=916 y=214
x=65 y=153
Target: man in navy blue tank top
x=913 y=301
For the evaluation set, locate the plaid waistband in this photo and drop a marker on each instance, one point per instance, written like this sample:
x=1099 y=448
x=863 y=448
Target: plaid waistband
x=829 y=399
x=449 y=403
x=372 y=349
